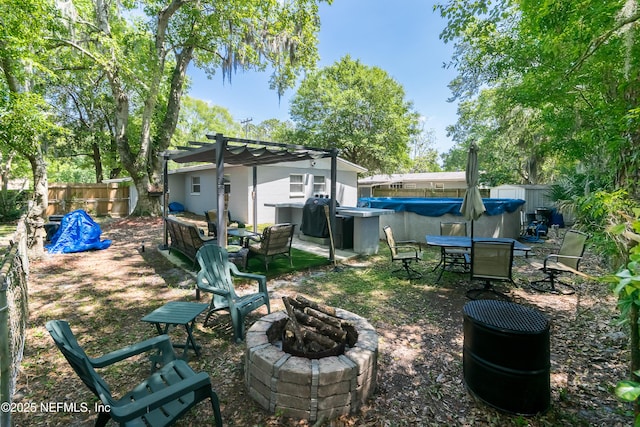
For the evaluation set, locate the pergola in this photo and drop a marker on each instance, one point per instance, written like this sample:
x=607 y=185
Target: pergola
x=226 y=150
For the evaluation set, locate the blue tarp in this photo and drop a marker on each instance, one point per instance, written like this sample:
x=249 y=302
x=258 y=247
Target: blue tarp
x=77 y=233
x=176 y=207
x=437 y=206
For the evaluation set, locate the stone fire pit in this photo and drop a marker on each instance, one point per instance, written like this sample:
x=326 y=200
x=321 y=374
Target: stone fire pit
x=311 y=389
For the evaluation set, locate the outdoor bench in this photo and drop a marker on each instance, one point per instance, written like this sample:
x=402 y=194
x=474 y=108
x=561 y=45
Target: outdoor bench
x=186 y=238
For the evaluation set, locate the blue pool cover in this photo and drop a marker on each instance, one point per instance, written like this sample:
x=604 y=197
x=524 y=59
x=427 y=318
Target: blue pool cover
x=437 y=206
x=78 y=232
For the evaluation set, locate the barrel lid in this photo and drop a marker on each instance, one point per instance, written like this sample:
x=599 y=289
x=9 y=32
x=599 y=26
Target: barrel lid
x=506 y=315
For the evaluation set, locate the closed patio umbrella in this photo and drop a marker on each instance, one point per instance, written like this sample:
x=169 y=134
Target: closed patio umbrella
x=472 y=205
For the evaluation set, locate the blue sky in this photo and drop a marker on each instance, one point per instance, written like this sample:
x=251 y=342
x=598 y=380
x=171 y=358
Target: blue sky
x=401 y=37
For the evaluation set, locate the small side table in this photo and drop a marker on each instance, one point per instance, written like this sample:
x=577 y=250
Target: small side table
x=178 y=313
x=238 y=256
x=243 y=234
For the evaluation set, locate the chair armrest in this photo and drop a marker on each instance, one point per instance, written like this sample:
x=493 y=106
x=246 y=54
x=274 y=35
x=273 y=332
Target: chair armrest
x=262 y=280
x=409 y=243
x=566 y=267
x=120 y=413
x=556 y=256
x=409 y=248
x=257 y=238
x=161 y=343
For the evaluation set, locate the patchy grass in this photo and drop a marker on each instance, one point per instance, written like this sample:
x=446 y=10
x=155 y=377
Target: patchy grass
x=104 y=294
x=280 y=265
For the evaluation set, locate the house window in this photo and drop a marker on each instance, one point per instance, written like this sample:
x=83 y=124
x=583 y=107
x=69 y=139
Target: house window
x=195 y=185
x=396 y=186
x=319 y=184
x=296 y=185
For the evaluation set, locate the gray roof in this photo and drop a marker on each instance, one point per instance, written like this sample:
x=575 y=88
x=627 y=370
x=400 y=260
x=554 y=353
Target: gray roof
x=413 y=177
x=246 y=152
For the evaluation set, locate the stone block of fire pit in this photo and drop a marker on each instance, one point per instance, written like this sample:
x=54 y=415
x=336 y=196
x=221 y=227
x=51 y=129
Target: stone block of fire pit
x=312 y=389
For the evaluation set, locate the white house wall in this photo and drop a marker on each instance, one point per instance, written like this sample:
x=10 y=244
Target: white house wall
x=204 y=200
x=273 y=187
x=240 y=196
x=177 y=189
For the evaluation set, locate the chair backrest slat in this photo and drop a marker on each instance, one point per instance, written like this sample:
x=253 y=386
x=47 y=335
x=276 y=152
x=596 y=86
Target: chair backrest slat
x=491 y=260
x=214 y=265
x=77 y=358
x=391 y=242
x=277 y=239
x=453 y=228
x=573 y=245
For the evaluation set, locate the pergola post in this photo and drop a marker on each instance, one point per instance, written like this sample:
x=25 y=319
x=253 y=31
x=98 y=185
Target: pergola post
x=254 y=198
x=332 y=204
x=222 y=218
x=252 y=153
x=165 y=197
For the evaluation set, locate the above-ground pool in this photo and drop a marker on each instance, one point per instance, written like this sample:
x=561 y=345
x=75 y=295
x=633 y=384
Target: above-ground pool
x=414 y=218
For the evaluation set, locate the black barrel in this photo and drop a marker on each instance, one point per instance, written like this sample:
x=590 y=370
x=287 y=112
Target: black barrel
x=506 y=356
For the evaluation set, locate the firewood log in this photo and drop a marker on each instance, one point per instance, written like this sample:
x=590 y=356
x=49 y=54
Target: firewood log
x=312 y=336
x=323 y=317
x=293 y=322
x=326 y=329
x=331 y=311
x=311 y=340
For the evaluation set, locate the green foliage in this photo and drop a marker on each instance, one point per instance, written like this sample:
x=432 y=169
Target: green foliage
x=141 y=50
x=83 y=104
x=70 y=170
x=626 y=284
x=12 y=204
x=563 y=77
x=24 y=120
x=199 y=118
x=270 y=130
x=508 y=141
x=601 y=209
x=358 y=109
x=424 y=157
x=597 y=212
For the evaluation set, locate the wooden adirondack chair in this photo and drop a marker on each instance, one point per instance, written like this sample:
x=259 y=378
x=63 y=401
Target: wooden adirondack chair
x=160 y=400
x=216 y=276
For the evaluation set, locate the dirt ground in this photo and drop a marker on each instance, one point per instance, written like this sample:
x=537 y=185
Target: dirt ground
x=104 y=294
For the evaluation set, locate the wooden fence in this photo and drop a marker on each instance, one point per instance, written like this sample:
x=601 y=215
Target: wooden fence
x=96 y=199
x=424 y=192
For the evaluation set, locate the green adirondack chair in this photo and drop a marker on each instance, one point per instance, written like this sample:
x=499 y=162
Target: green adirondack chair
x=216 y=276
x=171 y=390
